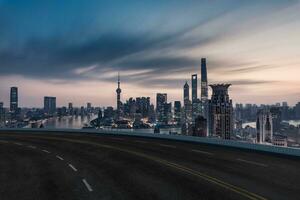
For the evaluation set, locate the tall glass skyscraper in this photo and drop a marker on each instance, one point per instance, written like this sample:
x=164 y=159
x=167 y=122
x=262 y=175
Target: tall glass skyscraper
x=161 y=100
x=186 y=94
x=204 y=87
x=13 y=99
x=50 y=105
x=194 y=88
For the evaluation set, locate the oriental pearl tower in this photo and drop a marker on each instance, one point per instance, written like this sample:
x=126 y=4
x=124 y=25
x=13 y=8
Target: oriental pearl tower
x=118 y=91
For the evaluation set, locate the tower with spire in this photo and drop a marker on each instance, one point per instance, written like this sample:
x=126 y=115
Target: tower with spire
x=118 y=91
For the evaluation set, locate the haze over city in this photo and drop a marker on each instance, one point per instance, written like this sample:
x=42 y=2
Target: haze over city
x=74 y=51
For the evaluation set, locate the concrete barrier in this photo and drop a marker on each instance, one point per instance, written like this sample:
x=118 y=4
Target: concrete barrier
x=212 y=141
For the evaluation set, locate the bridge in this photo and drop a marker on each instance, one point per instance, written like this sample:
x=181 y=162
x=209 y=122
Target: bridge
x=69 y=164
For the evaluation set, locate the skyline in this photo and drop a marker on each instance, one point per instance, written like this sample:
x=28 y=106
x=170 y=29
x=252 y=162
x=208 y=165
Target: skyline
x=75 y=55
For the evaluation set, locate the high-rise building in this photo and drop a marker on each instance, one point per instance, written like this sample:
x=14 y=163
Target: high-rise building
x=204 y=87
x=238 y=112
x=200 y=126
x=161 y=99
x=194 y=88
x=177 y=112
x=297 y=110
x=264 y=126
x=70 y=108
x=197 y=109
x=186 y=93
x=220 y=112
x=276 y=119
x=13 y=99
x=89 y=107
x=2 y=114
x=285 y=111
x=142 y=105
x=167 y=113
x=187 y=110
x=119 y=103
x=50 y=105
x=108 y=113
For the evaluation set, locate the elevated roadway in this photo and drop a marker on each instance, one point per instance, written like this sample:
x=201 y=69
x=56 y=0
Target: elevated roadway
x=92 y=166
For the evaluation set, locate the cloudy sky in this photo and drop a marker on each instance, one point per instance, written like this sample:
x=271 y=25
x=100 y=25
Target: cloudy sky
x=74 y=49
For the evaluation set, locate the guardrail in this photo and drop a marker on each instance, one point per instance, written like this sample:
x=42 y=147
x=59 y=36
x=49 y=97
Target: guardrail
x=212 y=141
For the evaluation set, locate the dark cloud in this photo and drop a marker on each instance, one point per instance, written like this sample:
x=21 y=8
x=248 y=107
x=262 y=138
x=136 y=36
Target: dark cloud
x=56 y=57
x=249 y=69
x=250 y=82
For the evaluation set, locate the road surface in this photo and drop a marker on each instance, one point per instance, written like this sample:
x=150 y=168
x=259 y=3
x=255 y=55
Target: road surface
x=88 y=166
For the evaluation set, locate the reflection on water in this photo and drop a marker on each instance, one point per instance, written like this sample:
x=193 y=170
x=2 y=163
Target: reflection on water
x=151 y=130
x=293 y=122
x=76 y=122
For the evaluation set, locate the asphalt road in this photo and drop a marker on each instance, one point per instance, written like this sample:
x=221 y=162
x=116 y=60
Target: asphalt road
x=73 y=166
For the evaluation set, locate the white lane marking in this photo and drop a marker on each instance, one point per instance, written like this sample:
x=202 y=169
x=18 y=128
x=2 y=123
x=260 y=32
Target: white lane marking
x=87 y=185
x=202 y=152
x=18 y=143
x=60 y=158
x=118 y=138
x=32 y=147
x=252 y=162
x=46 y=151
x=165 y=145
x=140 y=141
x=72 y=167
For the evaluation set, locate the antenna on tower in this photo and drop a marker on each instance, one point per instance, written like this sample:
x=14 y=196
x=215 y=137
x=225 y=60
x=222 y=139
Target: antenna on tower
x=118 y=79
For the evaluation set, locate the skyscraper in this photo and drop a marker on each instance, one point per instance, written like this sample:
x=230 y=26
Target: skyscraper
x=194 y=88
x=118 y=90
x=177 y=112
x=167 y=113
x=161 y=99
x=13 y=99
x=297 y=110
x=70 y=108
x=186 y=93
x=89 y=107
x=220 y=112
x=2 y=114
x=187 y=111
x=200 y=126
x=50 y=105
x=204 y=88
x=264 y=126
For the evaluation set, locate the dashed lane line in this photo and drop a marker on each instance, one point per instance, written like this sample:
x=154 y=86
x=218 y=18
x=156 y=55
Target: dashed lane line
x=140 y=141
x=166 y=145
x=121 y=139
x=252 y=162
x=60 y=158
x=233 y=188
x=46 y=151
x=72 y=167
x=87 y=185
x=202 y=152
